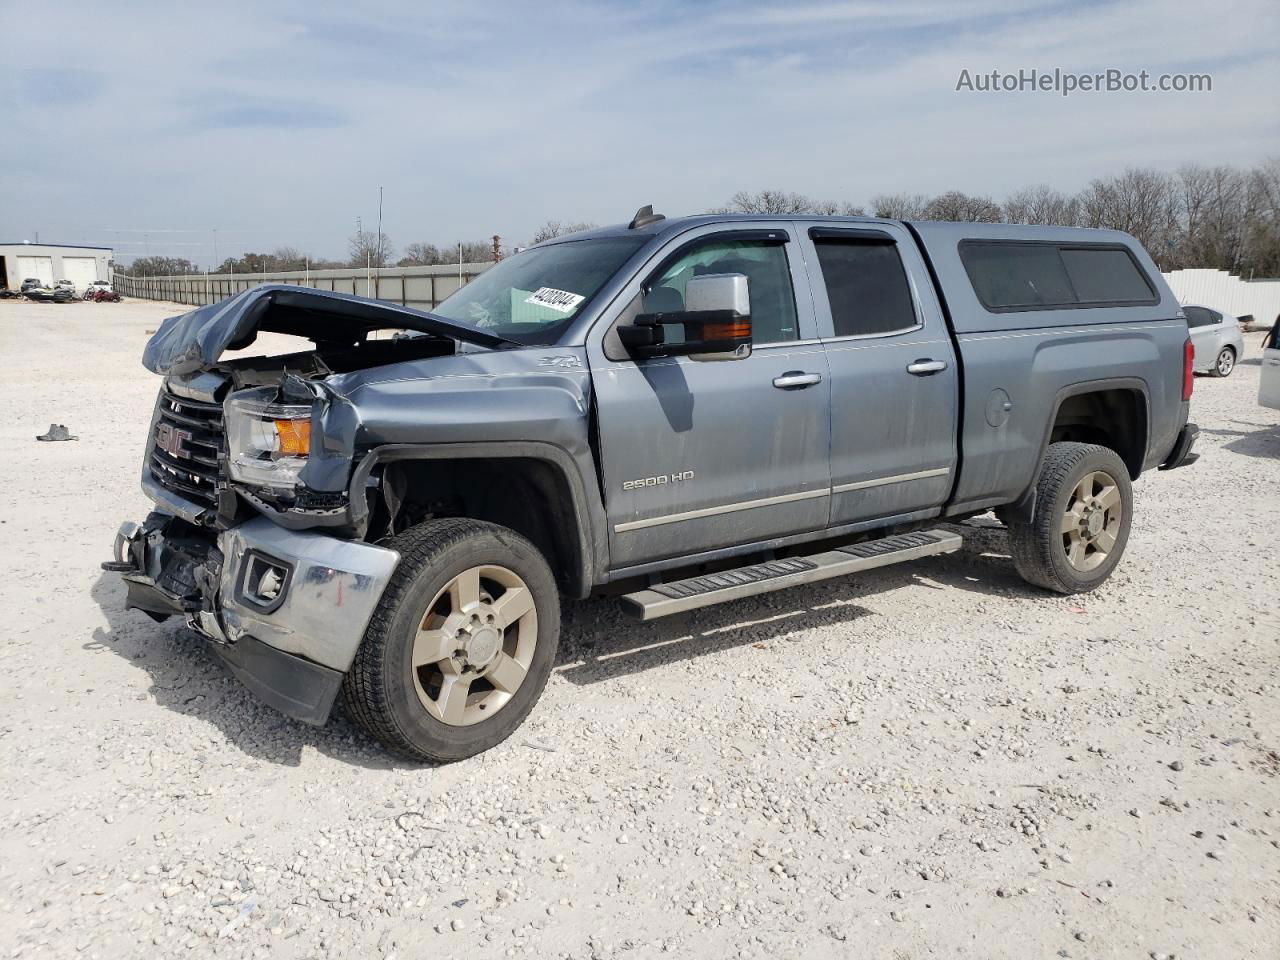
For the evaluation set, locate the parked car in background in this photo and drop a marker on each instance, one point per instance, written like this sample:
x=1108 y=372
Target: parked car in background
x=30 y=283
x=1216 y=339
x=98 y=286
x=1269 y=381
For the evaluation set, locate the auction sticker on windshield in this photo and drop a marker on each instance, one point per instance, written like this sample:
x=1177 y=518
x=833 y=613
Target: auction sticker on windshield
x=561 y=301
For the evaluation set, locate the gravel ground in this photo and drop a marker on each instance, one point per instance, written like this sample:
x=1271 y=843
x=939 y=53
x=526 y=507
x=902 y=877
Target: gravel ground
x=930 y=760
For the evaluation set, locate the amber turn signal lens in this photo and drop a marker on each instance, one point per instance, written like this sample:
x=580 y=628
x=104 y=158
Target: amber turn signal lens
x=728 y=330
x=295 y=437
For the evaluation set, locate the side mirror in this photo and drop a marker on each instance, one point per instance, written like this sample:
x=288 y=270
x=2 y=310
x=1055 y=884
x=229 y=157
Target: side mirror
x=715 y=323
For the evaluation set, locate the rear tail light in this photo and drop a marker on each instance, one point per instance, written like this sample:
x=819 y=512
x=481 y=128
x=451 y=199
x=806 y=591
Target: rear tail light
x=1188 y=376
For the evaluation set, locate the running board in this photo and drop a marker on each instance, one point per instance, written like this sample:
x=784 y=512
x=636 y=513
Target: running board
x=664 y=599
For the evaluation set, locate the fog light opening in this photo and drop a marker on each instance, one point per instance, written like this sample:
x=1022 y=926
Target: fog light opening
x=269 y=584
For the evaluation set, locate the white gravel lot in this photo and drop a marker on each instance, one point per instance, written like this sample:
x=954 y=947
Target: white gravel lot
x=933 y=760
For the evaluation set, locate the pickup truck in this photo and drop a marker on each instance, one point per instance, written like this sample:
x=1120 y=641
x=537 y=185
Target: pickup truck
x=676 y=412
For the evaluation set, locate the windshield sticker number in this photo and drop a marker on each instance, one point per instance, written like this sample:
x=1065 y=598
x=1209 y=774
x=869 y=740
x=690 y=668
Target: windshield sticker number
x=562 y=301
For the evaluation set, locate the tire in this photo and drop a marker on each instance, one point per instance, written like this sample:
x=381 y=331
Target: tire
x=407 y=708
x=1224 y=363
x=1043 y=549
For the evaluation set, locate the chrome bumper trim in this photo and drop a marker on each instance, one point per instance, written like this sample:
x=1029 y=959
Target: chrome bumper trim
x=334 y=587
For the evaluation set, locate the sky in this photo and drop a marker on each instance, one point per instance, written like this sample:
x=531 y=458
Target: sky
x=149 y=126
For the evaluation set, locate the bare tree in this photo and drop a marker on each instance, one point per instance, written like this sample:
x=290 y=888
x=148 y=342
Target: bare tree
x=554 y=228
x=1042 y=204
x=954 y=205
x=1215 y=206
x=783 y=203
x=1140 y=202
x=421 y=255
x=1262 y=236
x=899 y=206
x=160 y=266
x=368 y=247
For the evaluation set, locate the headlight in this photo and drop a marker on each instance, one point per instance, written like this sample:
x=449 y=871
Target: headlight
x=268 y=442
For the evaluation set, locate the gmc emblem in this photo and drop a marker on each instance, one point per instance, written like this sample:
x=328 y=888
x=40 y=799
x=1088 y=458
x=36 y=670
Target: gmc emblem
x=173 y=441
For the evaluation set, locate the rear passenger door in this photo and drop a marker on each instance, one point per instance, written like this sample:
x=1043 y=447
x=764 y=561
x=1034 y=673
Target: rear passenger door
x=893 y=373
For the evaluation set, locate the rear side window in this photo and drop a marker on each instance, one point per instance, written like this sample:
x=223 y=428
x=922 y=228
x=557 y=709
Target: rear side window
x=866 y=287
x=1197 y=316
x=1021 y=275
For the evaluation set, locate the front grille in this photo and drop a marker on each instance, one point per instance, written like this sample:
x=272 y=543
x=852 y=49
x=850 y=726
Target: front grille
x=186 y=447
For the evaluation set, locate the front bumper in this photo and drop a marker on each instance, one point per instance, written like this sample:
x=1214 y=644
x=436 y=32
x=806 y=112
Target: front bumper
x=285 y=609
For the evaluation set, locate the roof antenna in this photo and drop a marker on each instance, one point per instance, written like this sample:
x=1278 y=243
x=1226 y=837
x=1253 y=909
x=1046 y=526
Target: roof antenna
x=644 y=216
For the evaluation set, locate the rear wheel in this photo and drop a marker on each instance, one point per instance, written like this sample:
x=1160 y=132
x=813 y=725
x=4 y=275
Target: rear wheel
x=1084 y=507
x=1225 y=363
x=461 y=644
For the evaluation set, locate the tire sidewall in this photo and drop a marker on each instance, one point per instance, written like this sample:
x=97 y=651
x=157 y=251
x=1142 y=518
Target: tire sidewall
x=439 y=739
x=1097 y=459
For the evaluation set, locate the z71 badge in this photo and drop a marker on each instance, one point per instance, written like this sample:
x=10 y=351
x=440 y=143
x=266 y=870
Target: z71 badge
x=657 y=481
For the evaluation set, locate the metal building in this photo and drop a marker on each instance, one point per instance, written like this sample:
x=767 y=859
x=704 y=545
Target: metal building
x=51 y=262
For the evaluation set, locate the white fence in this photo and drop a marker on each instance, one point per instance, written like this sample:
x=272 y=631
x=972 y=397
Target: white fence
x=419 y=287
x=425 y=287
x=1228 y=293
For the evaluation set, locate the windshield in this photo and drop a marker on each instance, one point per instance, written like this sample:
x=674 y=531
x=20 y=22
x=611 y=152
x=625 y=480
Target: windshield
x=532 y=296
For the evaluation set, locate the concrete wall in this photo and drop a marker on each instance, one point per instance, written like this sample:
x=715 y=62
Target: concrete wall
x=419 y=287
x=1228 y=293
x=14 y=274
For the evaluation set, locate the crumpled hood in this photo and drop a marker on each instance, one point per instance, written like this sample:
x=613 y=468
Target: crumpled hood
x=195 y=340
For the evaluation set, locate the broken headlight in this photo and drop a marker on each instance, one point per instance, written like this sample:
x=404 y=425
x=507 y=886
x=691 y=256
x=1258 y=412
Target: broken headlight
x=268 y=442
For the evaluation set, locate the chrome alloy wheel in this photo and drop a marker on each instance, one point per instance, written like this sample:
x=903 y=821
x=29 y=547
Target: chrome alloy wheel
x=1226 y=362
x=1092 y=520
x=474 y=645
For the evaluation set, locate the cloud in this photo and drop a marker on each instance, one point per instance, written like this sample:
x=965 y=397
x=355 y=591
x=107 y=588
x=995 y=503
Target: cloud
x=482 y=118
x=275 y=116
x=59 y=86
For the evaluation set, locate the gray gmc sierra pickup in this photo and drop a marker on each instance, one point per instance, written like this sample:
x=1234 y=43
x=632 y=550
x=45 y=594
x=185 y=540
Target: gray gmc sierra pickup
x=679 y=412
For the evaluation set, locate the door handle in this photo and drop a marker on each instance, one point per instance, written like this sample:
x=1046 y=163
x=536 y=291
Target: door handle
x=922 y=368
x=796 y=379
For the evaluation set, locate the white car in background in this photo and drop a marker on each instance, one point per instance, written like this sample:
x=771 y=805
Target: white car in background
x=1269 y=381
x=1216 y=339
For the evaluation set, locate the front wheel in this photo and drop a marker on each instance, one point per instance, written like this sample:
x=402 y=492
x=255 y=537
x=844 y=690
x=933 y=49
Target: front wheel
x=1084 y=507
x=1225 y=363
x=461 y=643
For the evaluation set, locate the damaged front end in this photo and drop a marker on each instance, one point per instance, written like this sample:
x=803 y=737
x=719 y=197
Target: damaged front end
x=285 y=609
x=253 y=542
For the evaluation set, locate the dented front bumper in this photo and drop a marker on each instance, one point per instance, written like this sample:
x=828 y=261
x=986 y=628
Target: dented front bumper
x=285 y=609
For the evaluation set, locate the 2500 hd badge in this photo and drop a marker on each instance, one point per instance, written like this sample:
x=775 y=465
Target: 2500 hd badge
x=657 y=481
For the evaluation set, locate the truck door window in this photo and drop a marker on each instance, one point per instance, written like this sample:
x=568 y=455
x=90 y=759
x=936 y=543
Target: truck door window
x=866 y=287
x=763 y=262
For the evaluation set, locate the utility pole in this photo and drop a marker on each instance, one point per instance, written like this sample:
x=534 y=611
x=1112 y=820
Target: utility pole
x=379 y=234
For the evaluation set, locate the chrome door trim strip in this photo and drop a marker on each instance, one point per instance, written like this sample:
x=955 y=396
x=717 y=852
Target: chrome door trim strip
x=885 y=481
x=714 y=511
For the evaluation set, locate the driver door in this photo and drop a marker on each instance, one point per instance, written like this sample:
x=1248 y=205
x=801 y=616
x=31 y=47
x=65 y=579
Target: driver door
x=701 y=455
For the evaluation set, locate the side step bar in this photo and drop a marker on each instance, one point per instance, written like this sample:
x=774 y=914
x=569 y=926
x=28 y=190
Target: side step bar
x=664 y=599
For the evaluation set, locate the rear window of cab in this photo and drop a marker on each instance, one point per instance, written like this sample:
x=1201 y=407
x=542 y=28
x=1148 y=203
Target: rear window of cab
x=1011 y=275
